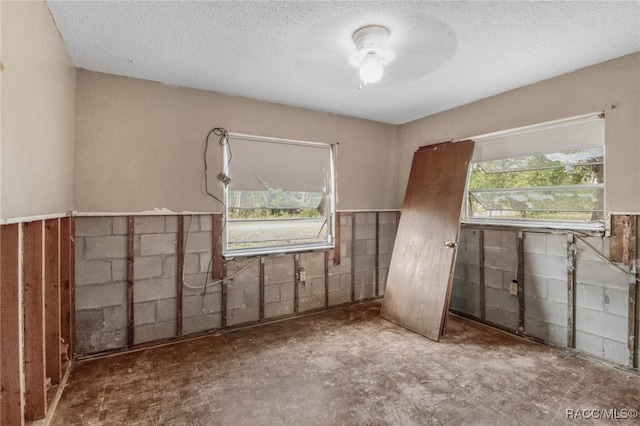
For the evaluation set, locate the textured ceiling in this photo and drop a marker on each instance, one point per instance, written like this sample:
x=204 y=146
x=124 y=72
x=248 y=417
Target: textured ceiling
x=297 y=53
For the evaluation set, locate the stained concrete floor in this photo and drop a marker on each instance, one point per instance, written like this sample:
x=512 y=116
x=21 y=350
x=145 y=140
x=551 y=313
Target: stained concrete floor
x=346 y=367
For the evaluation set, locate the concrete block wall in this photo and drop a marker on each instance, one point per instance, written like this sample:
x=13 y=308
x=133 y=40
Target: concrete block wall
x=500 y=266
x=602 y=305
x=101 y=268
x=465 y=293
x=201 y=295
x=155 y=286
x=545 y=287
x=602 y=299
x=100 y=283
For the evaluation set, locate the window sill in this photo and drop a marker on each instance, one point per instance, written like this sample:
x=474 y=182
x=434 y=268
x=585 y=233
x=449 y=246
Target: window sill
x=275 y=251
x=591 y=228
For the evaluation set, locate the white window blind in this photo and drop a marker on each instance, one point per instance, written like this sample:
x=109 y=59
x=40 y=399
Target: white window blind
x=262 y=163
x=578 y=133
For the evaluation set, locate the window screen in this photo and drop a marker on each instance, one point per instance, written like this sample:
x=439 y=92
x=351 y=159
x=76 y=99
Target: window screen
x=550 y=174
x=280 y=197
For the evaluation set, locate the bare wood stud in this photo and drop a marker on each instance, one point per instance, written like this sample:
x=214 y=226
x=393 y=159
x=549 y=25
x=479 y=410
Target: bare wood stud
x=52 y=299
x=180 y=273
x=571 y=290
x=483 y=303
x=130 y=281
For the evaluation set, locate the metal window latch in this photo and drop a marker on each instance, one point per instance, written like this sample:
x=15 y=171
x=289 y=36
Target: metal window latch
x=450 y=244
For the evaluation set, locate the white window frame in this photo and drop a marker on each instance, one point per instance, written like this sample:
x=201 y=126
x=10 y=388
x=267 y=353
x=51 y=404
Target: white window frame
x=492 y=146
x=228 y=157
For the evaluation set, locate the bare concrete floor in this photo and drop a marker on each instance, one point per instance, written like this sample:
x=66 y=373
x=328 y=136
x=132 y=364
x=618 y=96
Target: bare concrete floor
x=347 y=367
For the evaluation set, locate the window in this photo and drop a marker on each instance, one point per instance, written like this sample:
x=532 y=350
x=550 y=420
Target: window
x=280 y=197
x=546 y=175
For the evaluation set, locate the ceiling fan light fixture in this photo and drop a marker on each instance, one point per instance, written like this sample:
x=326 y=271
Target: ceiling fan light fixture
x=371 y=52
x=371 y=71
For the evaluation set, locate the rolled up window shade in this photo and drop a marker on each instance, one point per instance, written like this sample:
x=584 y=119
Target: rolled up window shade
x=583 y=132
x=261 y=163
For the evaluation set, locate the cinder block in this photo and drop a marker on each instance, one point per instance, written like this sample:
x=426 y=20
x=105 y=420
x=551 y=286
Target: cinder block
x=278 y=269
x=149 y=225
x=508 y=240
x=157 y=331
x=206 y=222
x=469 y=254
x=201 y=323
x=493 y=239
x=345 y=282
x=500 y=259
x=144 y=313
x=338 y=298
x=272 y=293
x=313 y=264
x=147 y=267
x=601 y=324
x=78 y=254
x=99 y=340
x=105 y=247
x=317 y=285
x=171 y=224
x=557 y=334
x=191 y=263
x=101 y=295
x=365 y=231
x=115 y=317
x=387 y=230
x=365 y=263
x=501 y=299
x=384 y=260
x=305 y=289
x=387 y=217
x=152 y=244
x=343 y=268
x=545 y=310
x=206 y=262
x=241 y=316
x=198 y=242
x=88 y=321
x=536 y=328
x=193 y=306
x=360 y=248
x=599 y=273
x=545 y=265
x=535 y=286
x=93 y=272
x=557 y=245
x=502 y=317
x=120 y=225
x=590 y=343
x=286 y=291
x=345 y=220
x=166 y=309
x=364 y=292
x=119 y=270
x=493 y=278
x=616 y=352
x=334 y=283
x=278 y=309
x=557 y=290
x=589 y=296
x=535 y=243
x=359 y=279
x=154 y=289
x=235 y=298
x=92 y=226
x=371 y=247
x=616 y=302
x=311 y=302
x=170 y=266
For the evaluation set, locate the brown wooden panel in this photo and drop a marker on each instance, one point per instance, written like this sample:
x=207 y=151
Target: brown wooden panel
x=130 y=280
x=66 y=282
x=622 y=242
x=180 y=277
x=421 y=269
x=217 y=272
x=336 y=251
x=10 y=399
x=52 y=300
x=34 y=333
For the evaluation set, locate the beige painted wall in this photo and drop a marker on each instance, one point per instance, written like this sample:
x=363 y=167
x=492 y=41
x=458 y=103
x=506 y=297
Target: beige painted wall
x=612 y=87
x=139 y=145
x=38 y=108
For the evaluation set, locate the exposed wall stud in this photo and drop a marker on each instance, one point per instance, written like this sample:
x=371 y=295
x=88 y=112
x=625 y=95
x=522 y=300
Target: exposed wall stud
x=336 y=240
x=11 y=402
x=520 y=278
x=483 y=304
x=52 y=299
x=326 y=279
x=376 y=271
x=571 y=290
x=130 y=281
x=217 y=272
x=67 y=264
x=34 y=332
x=180 y=275
x=630 y=253
x=261 y=284
x=353 y=257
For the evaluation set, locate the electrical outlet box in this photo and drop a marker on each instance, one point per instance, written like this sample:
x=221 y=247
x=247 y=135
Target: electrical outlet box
x=513 y=288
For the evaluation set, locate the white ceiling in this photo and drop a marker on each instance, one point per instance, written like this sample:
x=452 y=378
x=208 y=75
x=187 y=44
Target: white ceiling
x=297 y=53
